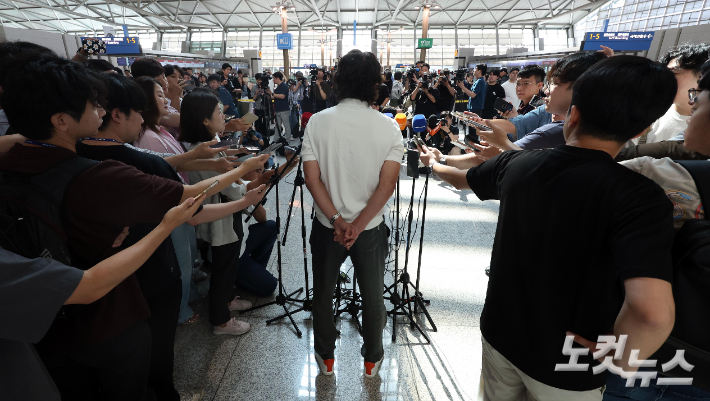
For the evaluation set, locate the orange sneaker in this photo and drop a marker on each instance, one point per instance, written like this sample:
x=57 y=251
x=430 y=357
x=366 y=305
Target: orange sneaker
x=326 y=366
x=372 y=368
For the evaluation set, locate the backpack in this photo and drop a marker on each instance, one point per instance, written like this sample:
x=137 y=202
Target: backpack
x=691 y=290
x=30 y=210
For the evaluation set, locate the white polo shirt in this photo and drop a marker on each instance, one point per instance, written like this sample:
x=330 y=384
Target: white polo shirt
x=351 y=142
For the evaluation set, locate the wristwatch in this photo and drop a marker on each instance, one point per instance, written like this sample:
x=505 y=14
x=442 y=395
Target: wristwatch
x=442 y=161
x=332 y=219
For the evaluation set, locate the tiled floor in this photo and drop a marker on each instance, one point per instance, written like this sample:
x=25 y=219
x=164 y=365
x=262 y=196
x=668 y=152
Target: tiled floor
x=271 y=363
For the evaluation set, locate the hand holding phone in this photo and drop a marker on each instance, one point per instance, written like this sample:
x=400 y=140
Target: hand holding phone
x=214 y=184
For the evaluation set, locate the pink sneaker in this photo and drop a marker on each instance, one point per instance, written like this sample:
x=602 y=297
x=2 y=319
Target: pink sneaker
x=239 y=304
x=233 y=327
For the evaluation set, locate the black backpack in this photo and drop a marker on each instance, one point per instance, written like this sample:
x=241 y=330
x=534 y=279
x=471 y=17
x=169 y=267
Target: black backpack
x=30 y=210
x=691 y=289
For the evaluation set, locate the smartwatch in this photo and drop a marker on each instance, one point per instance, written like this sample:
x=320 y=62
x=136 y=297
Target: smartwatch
x=442 y=161
x=332 y=219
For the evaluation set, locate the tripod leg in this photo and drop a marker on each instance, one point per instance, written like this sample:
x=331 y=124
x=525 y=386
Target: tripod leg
x=420 y=301
x=293 y=322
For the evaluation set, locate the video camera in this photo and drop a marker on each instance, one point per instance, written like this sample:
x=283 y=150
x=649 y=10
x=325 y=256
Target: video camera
x=460 y=74
x=314 y=75
x=265 y=78
x=425 y=81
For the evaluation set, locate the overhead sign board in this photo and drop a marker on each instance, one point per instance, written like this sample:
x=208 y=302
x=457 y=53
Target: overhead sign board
x=618 y=41
x=128 y=45
x=425 y=43
x=284 y=41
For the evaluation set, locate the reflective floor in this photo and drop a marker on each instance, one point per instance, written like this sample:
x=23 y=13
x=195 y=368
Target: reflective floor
x=271 y=363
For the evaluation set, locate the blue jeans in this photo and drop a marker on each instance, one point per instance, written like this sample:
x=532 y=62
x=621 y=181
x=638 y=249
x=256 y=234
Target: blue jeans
x=252 y=273
x=616 y=390
x=183 y=239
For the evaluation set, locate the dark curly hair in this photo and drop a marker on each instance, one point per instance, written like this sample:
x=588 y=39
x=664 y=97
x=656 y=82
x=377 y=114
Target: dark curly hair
x=691 y=56
x=358 y=77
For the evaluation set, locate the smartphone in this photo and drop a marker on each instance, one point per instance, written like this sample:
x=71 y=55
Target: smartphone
x=250 y=118
x=252 y=148
x=418 y=140
x=228 y=142
x=270 y=148
x=207 y=189
x=188 y=87
x=229 y=118
x=502 y=106
x=468 y=120
x=93 y=45
x=244 y=158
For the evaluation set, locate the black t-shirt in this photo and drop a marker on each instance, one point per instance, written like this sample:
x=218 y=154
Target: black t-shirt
x=492 y=93
x=445 y=100
x=384 y=94
x=161 y=269
x=573 y=224
x=461 y=98
x=424 y=104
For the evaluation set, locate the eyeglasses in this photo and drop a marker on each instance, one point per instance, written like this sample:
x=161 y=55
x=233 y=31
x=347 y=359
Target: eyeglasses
x=548 y=86
x=693 y=94
x=521 y=84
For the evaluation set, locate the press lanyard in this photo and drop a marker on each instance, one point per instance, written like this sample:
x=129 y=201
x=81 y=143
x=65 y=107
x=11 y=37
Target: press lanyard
x=46 y=145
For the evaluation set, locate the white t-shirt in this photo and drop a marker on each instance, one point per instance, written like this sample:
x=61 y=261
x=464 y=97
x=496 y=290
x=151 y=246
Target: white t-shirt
x=667 y=126
x=676 y=181
x=510 y=95
x=351 y=142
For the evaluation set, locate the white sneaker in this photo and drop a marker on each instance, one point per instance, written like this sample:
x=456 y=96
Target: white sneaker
x=192 y=395
x=371 y=369
x=233 y=327
x=239 y=304
x=326 y=366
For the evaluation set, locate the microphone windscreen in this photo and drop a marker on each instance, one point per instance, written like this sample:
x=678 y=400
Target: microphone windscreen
x=433 y=121
x=419 y=123
x=401 y=119
x=389 y=115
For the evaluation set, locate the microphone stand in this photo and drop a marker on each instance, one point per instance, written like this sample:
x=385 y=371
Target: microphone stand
x=281 y=298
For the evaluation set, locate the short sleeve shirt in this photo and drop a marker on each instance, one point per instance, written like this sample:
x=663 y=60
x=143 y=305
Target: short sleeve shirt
x=531 y=121
x=31 y=292
x=479 y=87
x=281 y=104
x=97 y=206
x=580 y=224
x=547 y=136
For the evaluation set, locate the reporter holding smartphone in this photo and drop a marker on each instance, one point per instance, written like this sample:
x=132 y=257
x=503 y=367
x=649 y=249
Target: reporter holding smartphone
x=351 y=160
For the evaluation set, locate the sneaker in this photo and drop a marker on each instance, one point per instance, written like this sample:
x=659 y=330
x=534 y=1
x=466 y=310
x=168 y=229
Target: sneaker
x=239 y=304
x=192 y=395
x=326 y=367
x=233 y=327
x=198 y=275
x=372 y=368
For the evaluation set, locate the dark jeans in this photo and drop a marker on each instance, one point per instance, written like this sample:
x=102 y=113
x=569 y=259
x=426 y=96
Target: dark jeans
x=368 y=256
x=252 y=273
x=616 y=390
x=224 y=273
x=164 y=312
x=114 y=370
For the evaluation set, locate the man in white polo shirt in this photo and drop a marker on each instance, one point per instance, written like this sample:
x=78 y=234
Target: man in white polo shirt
x=351 y=160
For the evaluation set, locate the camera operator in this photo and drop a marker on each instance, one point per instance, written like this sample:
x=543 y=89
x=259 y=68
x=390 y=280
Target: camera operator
x=260 y=91
x=281 y=106
x=446 y=92
x=463 y=91
x=351 y=140
x=320 y=88
x=493 y=92
x=300 y=87
x=229 y=82
x=424 y=94
x=440 y=133
x=252 y=138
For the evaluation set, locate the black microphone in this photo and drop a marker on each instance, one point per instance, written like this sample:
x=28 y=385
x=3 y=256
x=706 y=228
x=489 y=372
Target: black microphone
x=433 y=121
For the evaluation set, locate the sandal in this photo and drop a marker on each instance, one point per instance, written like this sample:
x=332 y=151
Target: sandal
x=193 y=319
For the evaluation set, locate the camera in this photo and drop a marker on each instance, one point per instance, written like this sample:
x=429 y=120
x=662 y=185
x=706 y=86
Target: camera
x=291 y=82
x=425 y=81
x=460 y=74
x=265 y=78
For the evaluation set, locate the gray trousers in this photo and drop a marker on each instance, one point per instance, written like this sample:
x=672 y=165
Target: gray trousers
x=368 y=256
x=283 y=117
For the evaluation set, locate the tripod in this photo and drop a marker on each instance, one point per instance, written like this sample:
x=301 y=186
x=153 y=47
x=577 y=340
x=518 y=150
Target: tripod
x=298 y=183
x=403 y=303
x=281 y=298
x=351 y=297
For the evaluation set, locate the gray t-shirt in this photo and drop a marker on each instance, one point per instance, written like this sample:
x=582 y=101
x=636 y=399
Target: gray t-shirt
x=547 y=136
x=31 y=293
